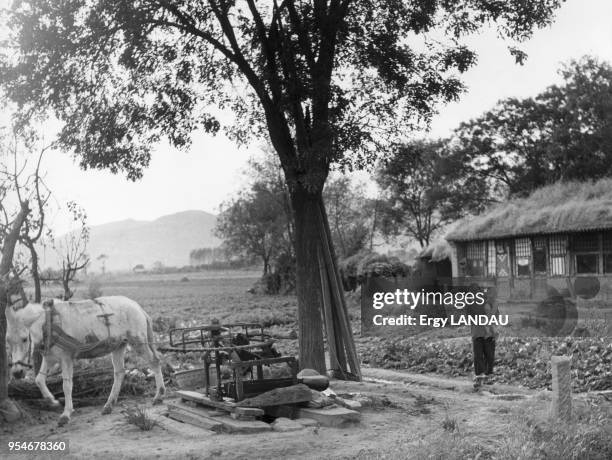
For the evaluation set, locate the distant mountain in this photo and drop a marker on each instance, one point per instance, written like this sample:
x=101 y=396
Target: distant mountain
x=168 y=240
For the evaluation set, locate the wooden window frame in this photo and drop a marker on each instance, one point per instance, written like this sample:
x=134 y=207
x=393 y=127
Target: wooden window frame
x=521 y=249
x=535 y=244
x=597 y=252
x=478 y=249
x=558 y=248
x=491 y=257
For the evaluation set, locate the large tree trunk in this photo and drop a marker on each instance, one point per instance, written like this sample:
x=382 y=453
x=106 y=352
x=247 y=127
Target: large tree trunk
x=6 y=262
x=306 y=210
x=3 y=355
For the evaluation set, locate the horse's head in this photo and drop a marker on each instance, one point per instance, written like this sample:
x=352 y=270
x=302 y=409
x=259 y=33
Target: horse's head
x=21 y=336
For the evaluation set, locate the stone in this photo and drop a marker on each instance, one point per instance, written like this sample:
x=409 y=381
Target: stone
x=283 y=425
x=331 y=416
x=9 y=411
x=320 y=400
x=307 y=373
x=349 y=403
x=279 y=396
x=561 y=408
x=307 y=422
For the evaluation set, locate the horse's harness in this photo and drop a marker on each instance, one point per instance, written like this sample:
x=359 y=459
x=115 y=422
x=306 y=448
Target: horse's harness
x=54 y=335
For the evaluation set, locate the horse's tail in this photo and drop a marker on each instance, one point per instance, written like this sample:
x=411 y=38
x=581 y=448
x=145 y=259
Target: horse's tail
x=151 y=339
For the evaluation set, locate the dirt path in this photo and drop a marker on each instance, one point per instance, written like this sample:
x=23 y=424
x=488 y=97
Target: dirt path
x=410 y=413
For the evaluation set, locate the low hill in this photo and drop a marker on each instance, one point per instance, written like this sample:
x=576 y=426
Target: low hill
x=168 y=240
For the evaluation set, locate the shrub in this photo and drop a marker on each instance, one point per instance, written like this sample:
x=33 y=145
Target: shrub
x=140 y=417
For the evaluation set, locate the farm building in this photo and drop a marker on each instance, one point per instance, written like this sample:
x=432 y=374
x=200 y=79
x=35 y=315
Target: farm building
x=558 y=240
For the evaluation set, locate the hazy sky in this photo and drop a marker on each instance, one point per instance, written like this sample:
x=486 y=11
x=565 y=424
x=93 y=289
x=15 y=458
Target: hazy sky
x=210 y=172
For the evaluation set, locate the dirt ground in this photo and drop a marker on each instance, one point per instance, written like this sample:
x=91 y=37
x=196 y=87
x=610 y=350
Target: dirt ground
x=412 y=415
x=409 y=412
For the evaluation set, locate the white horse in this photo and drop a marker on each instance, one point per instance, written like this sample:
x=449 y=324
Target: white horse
x=65 y=331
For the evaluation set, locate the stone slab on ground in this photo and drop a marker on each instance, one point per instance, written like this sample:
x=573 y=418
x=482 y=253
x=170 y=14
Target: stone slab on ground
x=283 y=425
x=330 y=416
x=308 y=422
x=242 y=426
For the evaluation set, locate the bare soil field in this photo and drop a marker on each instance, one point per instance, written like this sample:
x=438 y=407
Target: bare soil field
x=409 y=416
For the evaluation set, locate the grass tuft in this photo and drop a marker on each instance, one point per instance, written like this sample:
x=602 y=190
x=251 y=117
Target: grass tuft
x=140 y=417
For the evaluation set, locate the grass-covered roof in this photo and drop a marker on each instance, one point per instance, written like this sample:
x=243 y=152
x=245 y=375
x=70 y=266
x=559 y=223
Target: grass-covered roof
x=436 y=251
x=559 y=208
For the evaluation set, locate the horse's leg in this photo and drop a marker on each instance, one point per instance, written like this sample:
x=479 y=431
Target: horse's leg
x=41 y=382
x=159 y=381
x=67 y=370
x=119 y=372
x=147 y=351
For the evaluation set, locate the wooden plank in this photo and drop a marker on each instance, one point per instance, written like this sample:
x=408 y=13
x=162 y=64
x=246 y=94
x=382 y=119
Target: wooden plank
x=279 y=396
x=338 y=301
x=204 y=400
x=222 y=423
x=331 y=416
x=248 y=411
x=193 y=416
x=183 y=429
x=327 y=313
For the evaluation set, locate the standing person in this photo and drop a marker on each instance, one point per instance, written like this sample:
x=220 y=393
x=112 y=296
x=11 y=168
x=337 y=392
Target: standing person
x=483 y=342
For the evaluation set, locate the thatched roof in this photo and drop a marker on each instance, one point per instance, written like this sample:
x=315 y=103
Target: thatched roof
x=559 y=208
x=357 y=268
x=436 y=251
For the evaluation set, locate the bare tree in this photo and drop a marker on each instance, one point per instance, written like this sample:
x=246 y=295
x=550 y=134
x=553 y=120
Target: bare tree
x=102 y=258
x=16 y=190
x=72 y=249
x=34 y=224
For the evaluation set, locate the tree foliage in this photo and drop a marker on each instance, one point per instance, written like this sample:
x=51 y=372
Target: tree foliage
x=326 y=80
x=424 y=186
x=352 y=216
x=253 y=224
x=563 y=133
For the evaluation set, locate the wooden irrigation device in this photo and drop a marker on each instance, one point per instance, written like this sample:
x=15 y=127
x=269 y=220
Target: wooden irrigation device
x=243 y=349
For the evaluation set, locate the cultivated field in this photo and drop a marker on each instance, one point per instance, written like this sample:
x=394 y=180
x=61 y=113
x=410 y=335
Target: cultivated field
x=181 y=300
x=409 y=415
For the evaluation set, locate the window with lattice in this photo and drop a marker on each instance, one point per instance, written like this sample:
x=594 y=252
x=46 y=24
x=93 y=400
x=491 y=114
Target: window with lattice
x=539 y=255
x=502 y=262
x=586 y=253
x=522 y=255
x=491 y=258
x=476 y=258
x=557 y=248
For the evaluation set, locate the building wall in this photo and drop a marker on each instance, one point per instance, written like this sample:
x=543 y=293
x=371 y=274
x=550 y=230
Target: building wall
x=535 y=268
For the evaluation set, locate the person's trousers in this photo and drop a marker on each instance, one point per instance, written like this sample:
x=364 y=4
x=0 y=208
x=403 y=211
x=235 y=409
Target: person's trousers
x=484 y=355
